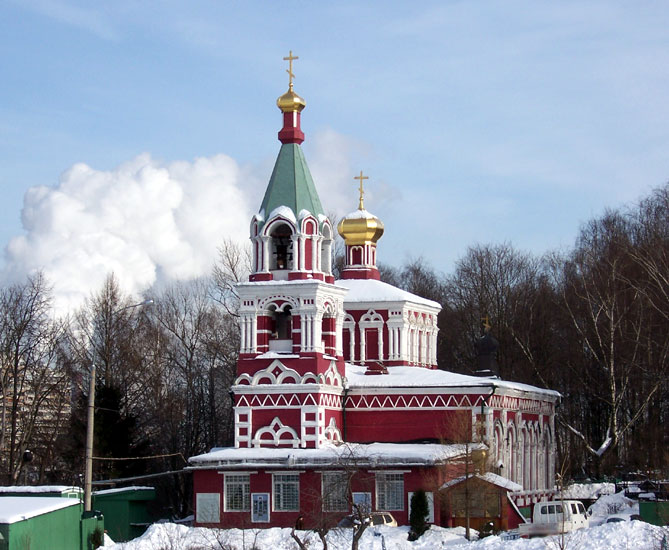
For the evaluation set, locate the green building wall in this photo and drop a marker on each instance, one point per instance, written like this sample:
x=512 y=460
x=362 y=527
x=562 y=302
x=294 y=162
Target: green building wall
x=125 y=511
x=56 y=530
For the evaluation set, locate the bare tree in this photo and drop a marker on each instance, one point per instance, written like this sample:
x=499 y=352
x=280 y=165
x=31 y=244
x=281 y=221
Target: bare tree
x=33 y=382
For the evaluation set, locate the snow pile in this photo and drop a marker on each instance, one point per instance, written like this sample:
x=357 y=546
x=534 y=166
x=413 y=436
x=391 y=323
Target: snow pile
x=613 y=536
x=613 y=504
x=588 y=490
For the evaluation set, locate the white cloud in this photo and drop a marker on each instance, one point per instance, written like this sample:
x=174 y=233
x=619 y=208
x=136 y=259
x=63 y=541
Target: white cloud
x=149 y=222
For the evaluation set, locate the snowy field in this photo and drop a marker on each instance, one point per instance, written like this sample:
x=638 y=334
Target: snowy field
x=614 y=536
x=624 y=535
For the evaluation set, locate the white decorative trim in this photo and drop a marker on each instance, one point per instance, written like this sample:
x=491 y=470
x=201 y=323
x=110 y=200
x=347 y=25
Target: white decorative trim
x=276 y=429
x=332 y=432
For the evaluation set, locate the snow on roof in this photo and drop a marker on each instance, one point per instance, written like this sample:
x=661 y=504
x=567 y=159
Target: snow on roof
x=403 y=377
x=588 y=490
x=123 y=489
x=371 y=290
x=360 y=214
x=13 y=509
x=373 y=454
x=40 y=489
x=500 y=481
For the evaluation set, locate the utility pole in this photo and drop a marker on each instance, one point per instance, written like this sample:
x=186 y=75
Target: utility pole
x=90 y=423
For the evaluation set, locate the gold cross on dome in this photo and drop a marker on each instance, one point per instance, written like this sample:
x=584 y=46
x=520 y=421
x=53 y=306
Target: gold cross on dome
x=289 y=70
x=362 y=191
x=486 y=323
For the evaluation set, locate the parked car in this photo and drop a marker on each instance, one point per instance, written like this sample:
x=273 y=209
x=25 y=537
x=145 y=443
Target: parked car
x=376 y=518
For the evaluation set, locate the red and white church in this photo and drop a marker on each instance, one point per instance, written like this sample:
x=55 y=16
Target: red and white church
x=338 y=399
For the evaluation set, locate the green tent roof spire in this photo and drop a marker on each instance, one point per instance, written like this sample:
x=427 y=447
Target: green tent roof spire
x=291 y=184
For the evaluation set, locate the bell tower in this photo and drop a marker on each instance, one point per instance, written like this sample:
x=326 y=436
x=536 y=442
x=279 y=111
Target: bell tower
x=291 y=368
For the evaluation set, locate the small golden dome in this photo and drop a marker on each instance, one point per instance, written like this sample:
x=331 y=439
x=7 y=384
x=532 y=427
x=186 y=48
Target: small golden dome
x=290 y=102
x=360 y=227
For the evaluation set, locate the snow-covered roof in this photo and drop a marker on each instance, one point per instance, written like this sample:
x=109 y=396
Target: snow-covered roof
x=371 y=290
x=402 y=377
x=40 y=489
x=499 y=481
x=13 y=509
x=358 y=454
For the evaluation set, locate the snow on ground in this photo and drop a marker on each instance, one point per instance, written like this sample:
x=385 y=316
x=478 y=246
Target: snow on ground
x=617 y=504
x=627 y=535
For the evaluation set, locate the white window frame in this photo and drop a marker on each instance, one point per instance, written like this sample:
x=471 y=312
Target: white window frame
x=281 y=482
x=231 y=480
x=430 y=505
x=208 y=507
x=389 y=491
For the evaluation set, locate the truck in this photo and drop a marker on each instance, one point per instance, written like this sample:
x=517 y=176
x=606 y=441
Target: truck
x=555 y=517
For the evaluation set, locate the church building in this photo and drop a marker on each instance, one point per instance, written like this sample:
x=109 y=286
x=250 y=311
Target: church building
x=338 y=400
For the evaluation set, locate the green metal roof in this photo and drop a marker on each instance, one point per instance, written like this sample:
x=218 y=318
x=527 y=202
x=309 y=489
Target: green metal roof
x=291 y=184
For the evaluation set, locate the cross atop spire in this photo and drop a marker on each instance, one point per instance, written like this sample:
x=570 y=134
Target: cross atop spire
x=362 y=191
x=289 y=70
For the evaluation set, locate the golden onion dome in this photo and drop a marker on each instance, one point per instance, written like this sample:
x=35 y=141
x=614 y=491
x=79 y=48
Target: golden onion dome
x=360 y=227
x=290 y=101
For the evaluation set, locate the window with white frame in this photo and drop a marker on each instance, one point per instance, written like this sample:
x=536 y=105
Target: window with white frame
x=237 y=493
x=286 y=494
x=335 y=492
x=389 y=491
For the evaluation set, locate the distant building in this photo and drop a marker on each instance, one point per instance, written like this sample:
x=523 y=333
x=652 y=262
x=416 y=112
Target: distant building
x=338 y=399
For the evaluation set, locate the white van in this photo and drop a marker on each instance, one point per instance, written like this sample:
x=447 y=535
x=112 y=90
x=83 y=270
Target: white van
x=554 y=517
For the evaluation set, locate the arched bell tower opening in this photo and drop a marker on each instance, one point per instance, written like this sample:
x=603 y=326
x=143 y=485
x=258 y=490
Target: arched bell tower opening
x=281 y=247
x=281 y=329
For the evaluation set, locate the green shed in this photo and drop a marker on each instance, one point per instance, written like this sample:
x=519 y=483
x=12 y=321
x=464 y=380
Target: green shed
x=44 y=522
x=125 y=511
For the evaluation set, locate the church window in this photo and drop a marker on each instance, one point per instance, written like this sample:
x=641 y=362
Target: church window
x=237 y=493
x=281 y=324
x=282 y=247
x=335 y=492
x=389 y=491
x=286 y=496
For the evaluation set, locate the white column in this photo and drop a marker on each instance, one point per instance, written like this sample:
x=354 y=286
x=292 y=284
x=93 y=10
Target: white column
x=301 y=254
x=380 y=329
x=362 y=345
x=391 y=342
x=303 y=332
x=264 y=253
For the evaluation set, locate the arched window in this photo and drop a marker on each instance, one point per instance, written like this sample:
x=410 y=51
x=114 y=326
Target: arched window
x=281 y=329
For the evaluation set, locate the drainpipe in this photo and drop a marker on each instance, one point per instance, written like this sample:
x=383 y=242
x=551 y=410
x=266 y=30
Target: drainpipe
x=343 y=409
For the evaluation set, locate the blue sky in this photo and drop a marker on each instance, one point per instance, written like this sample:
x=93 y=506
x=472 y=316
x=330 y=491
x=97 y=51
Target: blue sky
x=476 y=121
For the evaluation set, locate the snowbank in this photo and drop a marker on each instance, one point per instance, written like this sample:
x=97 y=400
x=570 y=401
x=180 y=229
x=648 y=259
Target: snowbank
x=612 y=536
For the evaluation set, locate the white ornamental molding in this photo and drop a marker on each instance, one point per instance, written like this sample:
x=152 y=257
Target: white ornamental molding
x=274 y=299
x=275 y=434
x=290 y=401
x=409 y=401
x=331 y=376
x=332 y=433
x=277 y=373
